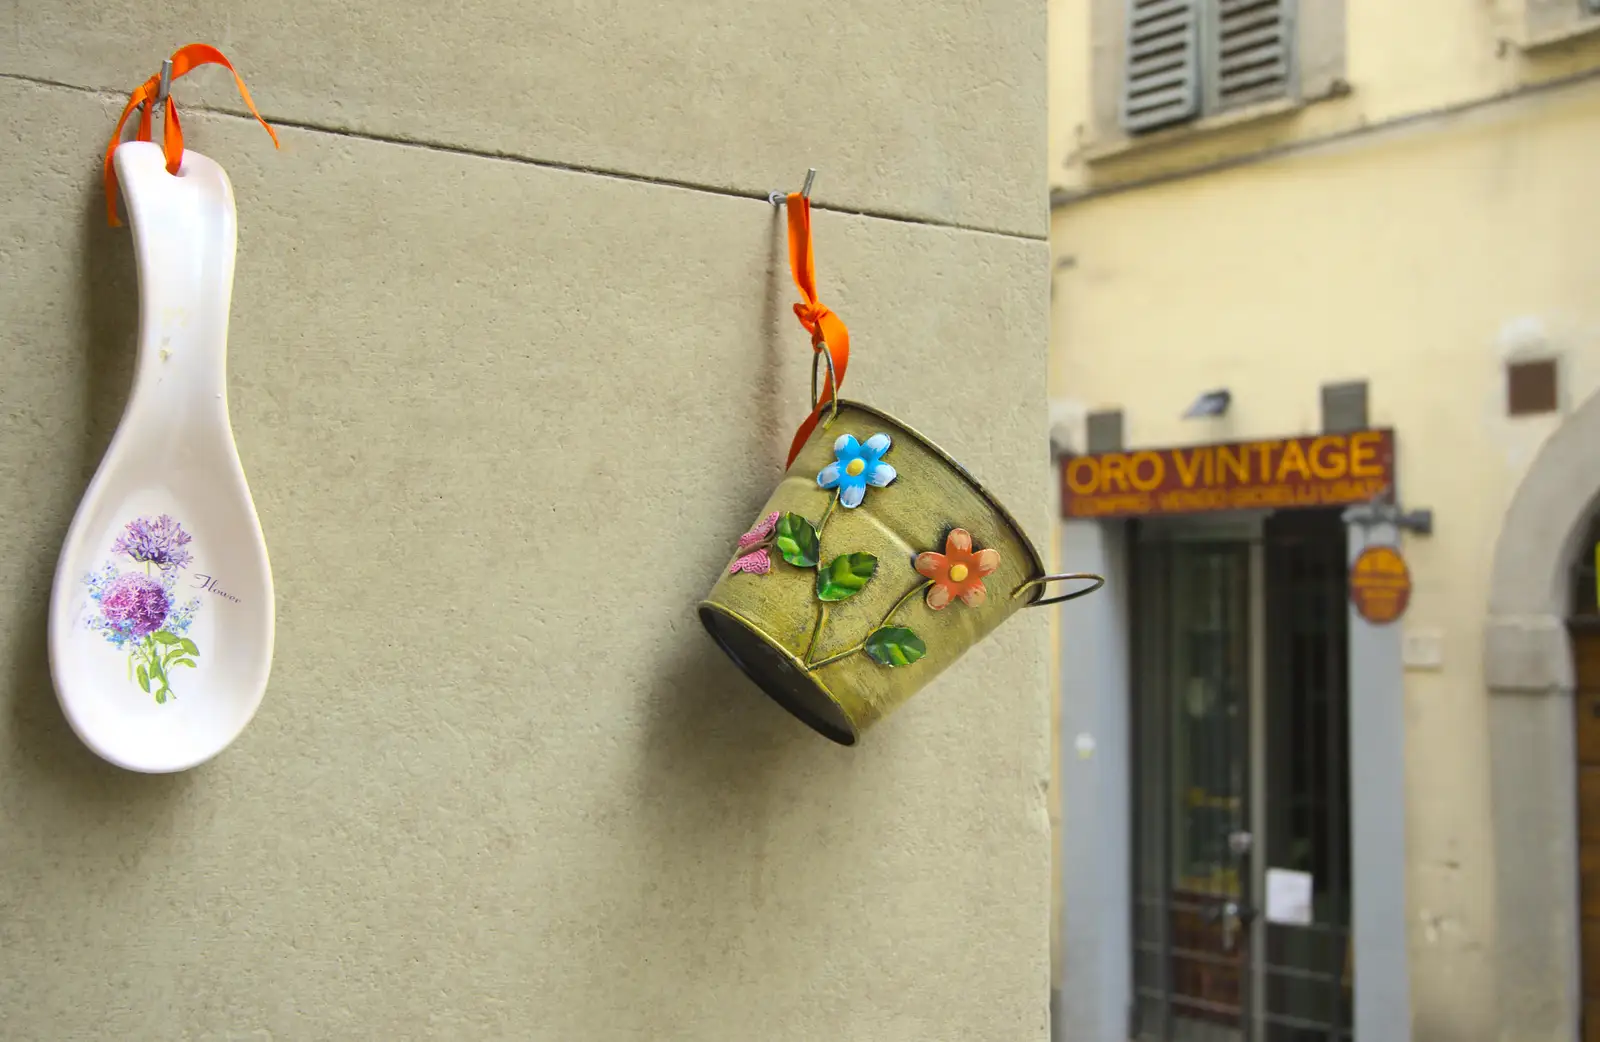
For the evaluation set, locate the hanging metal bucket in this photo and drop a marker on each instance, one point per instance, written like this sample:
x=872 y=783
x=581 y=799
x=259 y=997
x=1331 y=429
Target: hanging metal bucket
x=875 y=564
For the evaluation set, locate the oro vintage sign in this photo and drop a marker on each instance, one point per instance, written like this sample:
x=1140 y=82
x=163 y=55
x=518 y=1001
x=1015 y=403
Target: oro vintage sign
x=1319 y=471
x=1380 y=584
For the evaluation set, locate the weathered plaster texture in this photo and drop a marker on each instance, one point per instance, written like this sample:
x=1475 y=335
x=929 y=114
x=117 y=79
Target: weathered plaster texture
x=915 y=107
x=502 y=422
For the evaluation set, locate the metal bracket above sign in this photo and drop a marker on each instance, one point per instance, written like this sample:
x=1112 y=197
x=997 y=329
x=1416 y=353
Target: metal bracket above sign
x=1383 y=510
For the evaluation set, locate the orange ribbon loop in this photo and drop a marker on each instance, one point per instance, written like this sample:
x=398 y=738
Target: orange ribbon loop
x=827 y=330
x=184 y=59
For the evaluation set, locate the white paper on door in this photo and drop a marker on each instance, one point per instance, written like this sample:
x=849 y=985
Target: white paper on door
x=1288 y=897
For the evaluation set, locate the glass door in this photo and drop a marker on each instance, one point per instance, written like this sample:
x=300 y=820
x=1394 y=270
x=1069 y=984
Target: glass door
x=1193 y=857
x=1307 y=963
x=1241 y=768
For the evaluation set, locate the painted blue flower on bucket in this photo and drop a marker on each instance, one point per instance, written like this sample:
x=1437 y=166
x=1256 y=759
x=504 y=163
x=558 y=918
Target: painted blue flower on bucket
x=855 y=466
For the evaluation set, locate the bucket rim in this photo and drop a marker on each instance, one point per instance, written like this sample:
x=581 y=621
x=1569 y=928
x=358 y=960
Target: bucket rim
x=847 y=737
x=1039 y=570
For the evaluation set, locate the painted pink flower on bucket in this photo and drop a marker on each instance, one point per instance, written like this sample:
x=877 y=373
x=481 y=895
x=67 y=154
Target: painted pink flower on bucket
x=138 y=610
x=757 y=561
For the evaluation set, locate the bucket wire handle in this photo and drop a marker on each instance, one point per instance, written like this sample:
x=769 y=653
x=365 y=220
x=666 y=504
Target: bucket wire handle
x=829 y=335
x=821 y=351
x=1098 y=581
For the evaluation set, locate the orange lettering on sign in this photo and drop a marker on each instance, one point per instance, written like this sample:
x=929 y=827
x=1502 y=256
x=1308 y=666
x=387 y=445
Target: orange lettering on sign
x=1364 y=455
x=1111 y=472
x=1319 y=470
x=1322 y=466
x=1189 y=466
x=1380 y=585
x=1293 y=463
x=1234 y=459
x=1146 y=471
x=1083 y=475
x=1264 y=453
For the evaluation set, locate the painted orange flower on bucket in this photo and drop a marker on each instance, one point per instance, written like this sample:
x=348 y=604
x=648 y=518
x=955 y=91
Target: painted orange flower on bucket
x=958 y=572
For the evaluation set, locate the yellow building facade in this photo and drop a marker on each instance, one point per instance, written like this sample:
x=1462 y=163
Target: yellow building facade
x=1325 y=220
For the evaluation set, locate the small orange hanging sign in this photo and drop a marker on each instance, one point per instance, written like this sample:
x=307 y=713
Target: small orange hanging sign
x=1380 y=584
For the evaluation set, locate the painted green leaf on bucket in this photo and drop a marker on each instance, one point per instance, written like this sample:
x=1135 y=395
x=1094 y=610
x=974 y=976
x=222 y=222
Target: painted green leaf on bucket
x=796 y=539
x=845 y=576
x=895 y=646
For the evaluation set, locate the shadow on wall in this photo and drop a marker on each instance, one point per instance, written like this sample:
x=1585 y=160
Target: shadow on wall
x=741 y=799
x=716 y=741
x=731 y=786
x=70 y=779
x=785 y=344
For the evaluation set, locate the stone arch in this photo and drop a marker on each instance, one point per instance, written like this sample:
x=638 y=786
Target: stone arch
x=1526 y=647
x=1528 y=671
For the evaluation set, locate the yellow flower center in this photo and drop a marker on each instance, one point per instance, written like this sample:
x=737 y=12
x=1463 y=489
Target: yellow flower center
x=855 y=467
x=958 y=573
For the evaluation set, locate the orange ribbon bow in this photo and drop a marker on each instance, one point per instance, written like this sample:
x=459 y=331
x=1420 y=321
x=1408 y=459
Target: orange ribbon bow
x=827 y=330
x=184 y=59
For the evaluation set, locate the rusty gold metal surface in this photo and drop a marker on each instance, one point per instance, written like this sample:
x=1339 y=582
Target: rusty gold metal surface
x=768 y=624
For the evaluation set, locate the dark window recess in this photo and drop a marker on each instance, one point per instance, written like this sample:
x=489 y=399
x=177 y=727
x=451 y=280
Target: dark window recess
x=1531 y=387
x=1344 y=407
x=1585 y=605
x=1105 y=431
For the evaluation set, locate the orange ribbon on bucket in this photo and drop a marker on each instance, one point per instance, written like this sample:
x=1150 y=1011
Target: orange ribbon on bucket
x=184 y=59
x=828 y=332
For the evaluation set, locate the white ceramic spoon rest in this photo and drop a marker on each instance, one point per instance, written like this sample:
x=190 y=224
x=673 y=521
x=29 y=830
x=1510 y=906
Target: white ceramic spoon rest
x=161 y=614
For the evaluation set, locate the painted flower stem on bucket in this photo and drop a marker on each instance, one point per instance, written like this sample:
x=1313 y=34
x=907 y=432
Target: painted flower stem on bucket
x=876 y=631
x=955 y=573
x=822 y=606
x=816 y=632
x=833 y=501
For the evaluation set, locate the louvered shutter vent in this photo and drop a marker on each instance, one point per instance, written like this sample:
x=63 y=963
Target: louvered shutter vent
x=1252 y=59
x=1162 y=84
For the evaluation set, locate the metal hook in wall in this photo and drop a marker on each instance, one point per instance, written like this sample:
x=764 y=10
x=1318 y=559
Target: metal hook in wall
x=778 y=198
x=164 y=88
x=166 y=82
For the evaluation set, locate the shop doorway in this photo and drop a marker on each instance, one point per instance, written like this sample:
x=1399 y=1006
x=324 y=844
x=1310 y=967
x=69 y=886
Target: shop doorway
x=1584 y=625
x=1240 y=764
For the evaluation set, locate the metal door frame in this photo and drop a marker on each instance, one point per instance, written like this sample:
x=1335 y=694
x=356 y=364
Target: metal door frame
x=1097 y=997
x=1243 y=531
x=1251 y=536
x=1257 y=580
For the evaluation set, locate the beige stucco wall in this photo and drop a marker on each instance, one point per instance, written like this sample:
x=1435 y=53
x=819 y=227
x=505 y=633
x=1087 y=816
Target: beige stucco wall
x=1418 y=259
x=504 y=399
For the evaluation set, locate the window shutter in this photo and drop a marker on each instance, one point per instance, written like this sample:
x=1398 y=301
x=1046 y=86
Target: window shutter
x=1251 y=57
x=1161 y=82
